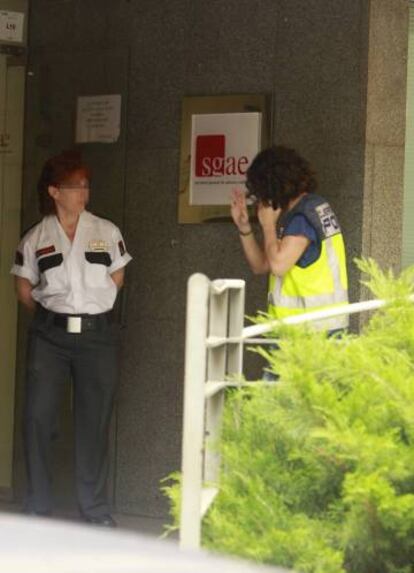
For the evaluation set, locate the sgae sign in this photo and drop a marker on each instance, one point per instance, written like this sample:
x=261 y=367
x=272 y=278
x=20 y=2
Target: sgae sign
x=222 y=146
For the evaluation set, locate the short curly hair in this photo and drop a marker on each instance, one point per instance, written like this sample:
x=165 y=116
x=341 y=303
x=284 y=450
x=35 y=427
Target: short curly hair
x=57 y=170
x=279 y=174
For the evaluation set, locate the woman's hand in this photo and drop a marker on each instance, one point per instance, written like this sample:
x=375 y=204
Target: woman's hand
x=267 y=216
x=118 y=278
x=239 y=211
x=24 y=289
x=253 y=252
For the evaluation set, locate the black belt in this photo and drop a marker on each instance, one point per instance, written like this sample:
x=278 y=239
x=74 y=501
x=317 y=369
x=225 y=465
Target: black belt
x=76 y=323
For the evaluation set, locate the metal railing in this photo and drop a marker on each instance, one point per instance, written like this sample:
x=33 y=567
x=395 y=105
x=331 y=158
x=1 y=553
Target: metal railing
x=215 y=337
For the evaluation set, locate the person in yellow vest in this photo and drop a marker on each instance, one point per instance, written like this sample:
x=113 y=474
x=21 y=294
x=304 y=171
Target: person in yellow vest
x=303 y=248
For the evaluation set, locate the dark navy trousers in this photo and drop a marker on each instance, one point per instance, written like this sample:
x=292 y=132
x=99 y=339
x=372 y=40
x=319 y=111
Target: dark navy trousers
x=90 y=361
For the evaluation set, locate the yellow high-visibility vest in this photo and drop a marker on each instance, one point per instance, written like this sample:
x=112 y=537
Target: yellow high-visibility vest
x=322 y=284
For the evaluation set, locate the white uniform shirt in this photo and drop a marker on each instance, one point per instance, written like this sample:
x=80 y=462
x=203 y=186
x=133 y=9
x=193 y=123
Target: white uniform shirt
x=72 y=277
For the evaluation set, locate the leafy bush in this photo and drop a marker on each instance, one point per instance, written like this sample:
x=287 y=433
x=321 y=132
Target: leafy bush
x=318 y=469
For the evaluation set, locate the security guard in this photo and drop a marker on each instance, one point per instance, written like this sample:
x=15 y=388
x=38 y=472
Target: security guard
x=303 y=247
x=68 y=269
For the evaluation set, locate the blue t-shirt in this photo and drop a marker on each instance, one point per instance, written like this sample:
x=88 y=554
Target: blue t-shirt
x=299 y=225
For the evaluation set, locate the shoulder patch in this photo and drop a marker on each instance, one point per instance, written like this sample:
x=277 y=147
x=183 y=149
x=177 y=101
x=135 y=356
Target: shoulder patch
x=121 y=247
x=19 y=259
x=328 y=220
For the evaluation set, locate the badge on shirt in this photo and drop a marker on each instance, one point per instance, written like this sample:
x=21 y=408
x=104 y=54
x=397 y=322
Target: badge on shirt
x=45 y=251
x=98 y=245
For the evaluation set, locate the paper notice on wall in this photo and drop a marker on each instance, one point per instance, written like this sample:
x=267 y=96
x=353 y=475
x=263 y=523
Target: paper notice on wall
x=11 y=26
x=98 y=119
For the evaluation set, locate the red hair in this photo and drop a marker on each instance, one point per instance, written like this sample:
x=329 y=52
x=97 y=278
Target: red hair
x=57 y=170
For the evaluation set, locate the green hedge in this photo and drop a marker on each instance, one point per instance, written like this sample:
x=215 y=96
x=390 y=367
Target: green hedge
x=318 y=469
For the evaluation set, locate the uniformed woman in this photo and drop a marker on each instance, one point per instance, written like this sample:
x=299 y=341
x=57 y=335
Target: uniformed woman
x=68 y=270
x=303 y=247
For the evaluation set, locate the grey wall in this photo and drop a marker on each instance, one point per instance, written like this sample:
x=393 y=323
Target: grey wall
x=385 y=131
x=311 y=55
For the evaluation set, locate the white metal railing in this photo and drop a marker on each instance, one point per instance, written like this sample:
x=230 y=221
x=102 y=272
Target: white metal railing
x=215 y=337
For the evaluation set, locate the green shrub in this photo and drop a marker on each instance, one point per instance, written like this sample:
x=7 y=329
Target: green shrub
x=318 y=469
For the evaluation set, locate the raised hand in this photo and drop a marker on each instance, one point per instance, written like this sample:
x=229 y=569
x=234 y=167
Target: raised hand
x=239 y=211
x=267 y=215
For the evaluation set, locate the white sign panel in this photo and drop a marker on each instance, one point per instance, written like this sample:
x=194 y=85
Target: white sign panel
x=98 y=119
x=11 y=26
x=222 y=148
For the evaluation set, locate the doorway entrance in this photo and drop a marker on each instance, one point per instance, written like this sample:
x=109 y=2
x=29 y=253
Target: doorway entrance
x=12 y=84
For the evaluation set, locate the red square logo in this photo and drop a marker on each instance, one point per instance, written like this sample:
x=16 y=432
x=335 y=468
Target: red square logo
x=210 y=154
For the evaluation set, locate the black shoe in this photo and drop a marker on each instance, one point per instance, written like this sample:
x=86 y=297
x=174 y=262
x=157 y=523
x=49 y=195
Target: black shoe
x=101 y=520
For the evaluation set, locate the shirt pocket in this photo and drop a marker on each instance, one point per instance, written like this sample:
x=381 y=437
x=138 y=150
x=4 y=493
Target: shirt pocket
x=50 y=269
x=96 y=269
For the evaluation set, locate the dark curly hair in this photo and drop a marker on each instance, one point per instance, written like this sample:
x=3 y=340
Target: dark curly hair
x=279 y=174
x=57 y=170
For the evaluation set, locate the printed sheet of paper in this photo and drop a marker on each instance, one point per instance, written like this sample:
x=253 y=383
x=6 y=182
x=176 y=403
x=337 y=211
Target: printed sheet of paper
x=98 y=119
x=11 y=26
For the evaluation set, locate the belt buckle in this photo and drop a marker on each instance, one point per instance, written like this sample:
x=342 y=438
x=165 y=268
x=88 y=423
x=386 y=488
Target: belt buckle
x=74 y=324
